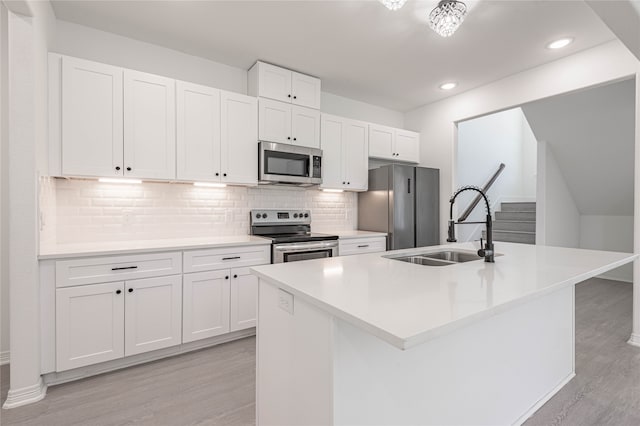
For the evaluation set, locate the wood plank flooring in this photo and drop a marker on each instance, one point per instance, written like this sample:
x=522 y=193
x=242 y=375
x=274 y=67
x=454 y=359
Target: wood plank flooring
x=216 y=386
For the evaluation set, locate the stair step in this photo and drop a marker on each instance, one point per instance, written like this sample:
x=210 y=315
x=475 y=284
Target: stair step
x=529 y=216
x=512 y=237
x=518 y=207
x=514 y=225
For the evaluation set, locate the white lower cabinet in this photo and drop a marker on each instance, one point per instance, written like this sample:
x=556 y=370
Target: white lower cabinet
x=153 y=314
x=89 y=324
x=244 y=299
x=348 y=247
x=205 y=305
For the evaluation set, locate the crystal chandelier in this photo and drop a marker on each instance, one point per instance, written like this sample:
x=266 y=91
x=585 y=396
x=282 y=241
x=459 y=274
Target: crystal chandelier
x=447 y=17
x=394 y=4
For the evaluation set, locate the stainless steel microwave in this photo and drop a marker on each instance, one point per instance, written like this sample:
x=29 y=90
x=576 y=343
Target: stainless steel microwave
x=286 y=164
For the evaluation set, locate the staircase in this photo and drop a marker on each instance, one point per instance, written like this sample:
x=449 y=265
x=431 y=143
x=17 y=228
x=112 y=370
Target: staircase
x=515 y=223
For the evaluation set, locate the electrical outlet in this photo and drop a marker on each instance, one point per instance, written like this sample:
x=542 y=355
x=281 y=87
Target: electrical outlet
x=285 y=301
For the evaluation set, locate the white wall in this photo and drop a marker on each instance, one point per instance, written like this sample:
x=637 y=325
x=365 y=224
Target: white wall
x=345 y=107
x=28 y=45
x=4 y=190
x=613 y=233
x=557 y=217
x=86 y=211
x=484 y=143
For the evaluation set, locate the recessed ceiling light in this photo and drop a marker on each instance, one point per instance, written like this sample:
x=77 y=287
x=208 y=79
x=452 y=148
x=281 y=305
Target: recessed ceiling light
x=210 y=184
x=559 y=44
x=118 y=180
x=448 y=86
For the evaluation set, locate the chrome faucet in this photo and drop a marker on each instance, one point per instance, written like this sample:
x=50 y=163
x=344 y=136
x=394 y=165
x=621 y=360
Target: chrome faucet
x=486 y=250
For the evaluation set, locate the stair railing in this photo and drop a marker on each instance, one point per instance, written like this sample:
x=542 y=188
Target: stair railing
x=478 y=197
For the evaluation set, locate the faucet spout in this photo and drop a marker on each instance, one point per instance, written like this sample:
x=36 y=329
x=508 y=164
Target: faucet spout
x=486 y=250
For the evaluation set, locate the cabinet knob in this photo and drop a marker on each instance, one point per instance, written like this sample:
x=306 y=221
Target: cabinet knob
x=344 y=183
x=217 y=174
x=227 y=277
x=117 y=167
x=118 y=291
x=235 y=275
x=295 y=139
x=224 y=174
x=128 y=169
x=130 y=290
x=348 y=183
x=295 y=97
x=288 y=138
x=288 y=96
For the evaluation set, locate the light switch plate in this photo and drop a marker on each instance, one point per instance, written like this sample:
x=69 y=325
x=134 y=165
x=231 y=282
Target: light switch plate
x=285 y=301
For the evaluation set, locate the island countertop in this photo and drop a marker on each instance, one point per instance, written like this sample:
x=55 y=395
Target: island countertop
x=407 y=304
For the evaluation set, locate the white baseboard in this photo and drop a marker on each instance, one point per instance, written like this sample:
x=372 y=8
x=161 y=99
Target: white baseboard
x=544 y=400
x=4 y=357
x=634 y=340
x=24 y=396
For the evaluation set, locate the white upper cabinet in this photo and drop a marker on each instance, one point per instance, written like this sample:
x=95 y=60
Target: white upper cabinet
x=305 y=90
x=92 y=114
x=305 y=126
x=198 y=132
x=239 y=128
x=345 y=151
x=153 y=314
x=281 y=84
x=149 y=126
x=274 y=121
x=394 y=144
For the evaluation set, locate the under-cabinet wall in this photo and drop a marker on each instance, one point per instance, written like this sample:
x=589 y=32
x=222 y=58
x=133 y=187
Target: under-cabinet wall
x=77 y=211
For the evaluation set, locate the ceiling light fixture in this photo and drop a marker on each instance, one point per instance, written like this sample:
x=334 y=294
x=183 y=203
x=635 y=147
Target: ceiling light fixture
x=393 y=4
x=447 y=17
x=210 y=184
x=559 y=44
x=448 y=86
x=118 y=180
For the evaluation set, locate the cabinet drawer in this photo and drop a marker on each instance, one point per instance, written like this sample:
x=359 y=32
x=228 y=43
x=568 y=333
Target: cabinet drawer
x=362 y=245
x=116 y=268
x=228 y=257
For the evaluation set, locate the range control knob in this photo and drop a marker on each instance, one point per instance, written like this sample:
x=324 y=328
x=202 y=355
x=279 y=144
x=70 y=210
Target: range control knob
x=258 y=216
x=264 y=216
x=295 y=215
x=306 y=215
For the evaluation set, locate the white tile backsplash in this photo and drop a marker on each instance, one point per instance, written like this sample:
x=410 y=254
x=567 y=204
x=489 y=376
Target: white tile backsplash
x=77 y=211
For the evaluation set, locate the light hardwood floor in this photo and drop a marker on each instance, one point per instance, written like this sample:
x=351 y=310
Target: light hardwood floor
x=217 y=385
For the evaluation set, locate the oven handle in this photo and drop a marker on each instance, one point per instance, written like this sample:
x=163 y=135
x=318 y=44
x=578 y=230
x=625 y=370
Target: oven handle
x=289 y=247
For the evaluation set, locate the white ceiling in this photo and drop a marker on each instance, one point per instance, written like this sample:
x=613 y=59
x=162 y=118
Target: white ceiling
x=591 y=134
x=360 y=49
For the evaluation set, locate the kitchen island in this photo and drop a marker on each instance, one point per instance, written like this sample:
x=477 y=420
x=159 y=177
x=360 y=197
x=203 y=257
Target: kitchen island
x=368 y=339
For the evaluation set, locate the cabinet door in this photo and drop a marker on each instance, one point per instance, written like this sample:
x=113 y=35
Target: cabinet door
x=244 y=299
x=91 y=119
x=198 y=132
x=407 y=146
x=274 y=121
x=355 y=146
x=149 y=126
x=332 y=129
x=205 y=305
x=274 y=82
x=89 y=324
x=305 y=126
x=239 y=139
x=305 y=90
x=153 y=314
x=381 y=141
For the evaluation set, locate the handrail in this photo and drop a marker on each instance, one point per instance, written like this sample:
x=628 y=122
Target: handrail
x=485 y=188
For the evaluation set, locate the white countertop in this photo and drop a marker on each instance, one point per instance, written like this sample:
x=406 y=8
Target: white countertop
x=345 y=235
x=59 y=251
x=407 y=304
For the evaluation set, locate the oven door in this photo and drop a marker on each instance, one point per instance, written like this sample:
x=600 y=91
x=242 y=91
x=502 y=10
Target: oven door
x=293 y=252
x=282 y=163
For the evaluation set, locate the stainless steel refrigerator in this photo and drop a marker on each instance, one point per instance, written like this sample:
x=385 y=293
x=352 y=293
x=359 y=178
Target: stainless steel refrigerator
x=402 y=201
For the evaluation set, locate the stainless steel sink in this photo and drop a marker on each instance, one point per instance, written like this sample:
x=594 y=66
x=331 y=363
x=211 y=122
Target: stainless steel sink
x=438 y=258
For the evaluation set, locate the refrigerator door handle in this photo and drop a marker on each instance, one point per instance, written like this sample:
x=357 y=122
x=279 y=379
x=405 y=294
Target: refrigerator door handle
x=409 y=185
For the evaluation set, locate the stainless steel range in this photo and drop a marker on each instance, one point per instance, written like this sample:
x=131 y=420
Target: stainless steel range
x=290 y=232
